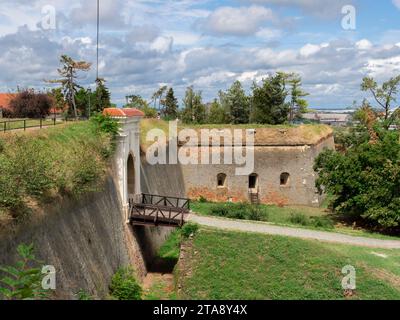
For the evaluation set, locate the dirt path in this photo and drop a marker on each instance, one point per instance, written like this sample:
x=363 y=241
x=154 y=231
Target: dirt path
x=158 y=286
x=265 y=228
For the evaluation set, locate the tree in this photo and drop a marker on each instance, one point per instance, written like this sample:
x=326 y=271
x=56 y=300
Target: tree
x=216 y=113
x=194 y=110
x=268 y=101
x=58 y=98
x=68 y=73
x=138 y=102
x=238 y=104
x=171 y=105
x=83 y=98
x=365 y=179
x=298 y=105
x=28 y=104
x=102 y=96
x=158 y=95
x=385 y=96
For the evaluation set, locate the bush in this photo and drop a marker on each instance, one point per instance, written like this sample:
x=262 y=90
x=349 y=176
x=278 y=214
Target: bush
x=22 y=281
x=105 y=123
x=124 y=285
x=242 y=211
x=299 y=218
x=189 y=229
x=322 y=222
x=201 y=199
x=29 y=104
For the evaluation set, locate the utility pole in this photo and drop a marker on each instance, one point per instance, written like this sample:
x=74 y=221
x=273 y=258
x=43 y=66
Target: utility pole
x=98 y=27
x=90 y=95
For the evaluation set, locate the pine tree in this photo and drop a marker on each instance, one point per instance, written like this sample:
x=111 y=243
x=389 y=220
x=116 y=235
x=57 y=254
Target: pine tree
x=171 y=105
x=238 y=104
x=103 y=96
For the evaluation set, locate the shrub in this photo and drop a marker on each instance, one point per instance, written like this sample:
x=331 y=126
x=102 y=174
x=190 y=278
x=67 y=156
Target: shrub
x=299 y=218
x=242 y=211
x=322 y=222
x=106 y=124
x=83 y=295
x=189 y=229
x=124 y=285
x=23 y=282
x=201 y=199
x=29 y=104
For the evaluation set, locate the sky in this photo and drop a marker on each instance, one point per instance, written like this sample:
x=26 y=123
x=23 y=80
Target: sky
x=205 y=44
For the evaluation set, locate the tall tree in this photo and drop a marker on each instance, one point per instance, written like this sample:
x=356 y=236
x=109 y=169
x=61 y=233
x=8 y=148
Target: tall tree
x=385 y=96
x=194 y=110
x=171 y=105
x=268 y=101
x=103 y=96
x=238 y=104
x=216 y=113
x=158 y=96
x=68 y=80
x=298 y=105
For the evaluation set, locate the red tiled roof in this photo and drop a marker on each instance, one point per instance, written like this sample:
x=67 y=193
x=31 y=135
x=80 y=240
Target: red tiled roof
x=5 y=99
x=123 y=113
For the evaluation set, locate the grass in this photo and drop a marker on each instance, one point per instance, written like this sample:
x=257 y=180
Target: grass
x=233 y=265
x=298 y=216
x=171 y=248
x=266 y=135
x=41 y=165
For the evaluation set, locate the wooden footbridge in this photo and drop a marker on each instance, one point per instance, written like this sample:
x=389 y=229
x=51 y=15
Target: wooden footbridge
x=156 y=210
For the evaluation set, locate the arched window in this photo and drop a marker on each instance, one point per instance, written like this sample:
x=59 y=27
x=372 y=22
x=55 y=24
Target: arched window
x=221 y=180
x=285 y=179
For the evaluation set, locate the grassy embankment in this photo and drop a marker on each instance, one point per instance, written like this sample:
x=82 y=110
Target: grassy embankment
x=233 y=265
x=42 y=165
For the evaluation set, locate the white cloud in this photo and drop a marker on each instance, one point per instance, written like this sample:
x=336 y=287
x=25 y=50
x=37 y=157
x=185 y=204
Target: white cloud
x=241 y=21
x=396 y=3
x=162 y=44
x=309 y=49
x=364 y=44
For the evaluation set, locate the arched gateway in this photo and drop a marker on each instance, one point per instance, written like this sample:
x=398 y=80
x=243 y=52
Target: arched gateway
x=140 y=208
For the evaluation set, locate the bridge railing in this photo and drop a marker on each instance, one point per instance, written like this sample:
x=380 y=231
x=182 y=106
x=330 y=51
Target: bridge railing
x=166 y=201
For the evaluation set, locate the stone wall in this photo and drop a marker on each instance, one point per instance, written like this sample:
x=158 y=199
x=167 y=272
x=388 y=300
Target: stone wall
x=194 y=181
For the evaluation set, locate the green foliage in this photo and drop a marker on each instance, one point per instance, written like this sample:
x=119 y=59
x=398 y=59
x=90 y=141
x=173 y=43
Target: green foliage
x=124 y=285
x=106 y=124
x=268 y=101
x=299 y=218
x=171 y=248
x=216 y=114
x=189 y=229
x=203 y=199
x=102 y=96
x=83 y=295
x=365 y=179
x=170 y=105
x=138 y=102
x=39 y=166
x=22 y=281
x=194 y=110
x=237 y=104
x=244 y=211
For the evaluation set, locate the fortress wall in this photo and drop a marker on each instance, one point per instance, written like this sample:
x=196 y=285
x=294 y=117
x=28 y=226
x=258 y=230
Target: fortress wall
x=270 y=162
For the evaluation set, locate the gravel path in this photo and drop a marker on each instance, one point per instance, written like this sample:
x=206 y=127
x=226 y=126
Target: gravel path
x=265 y=228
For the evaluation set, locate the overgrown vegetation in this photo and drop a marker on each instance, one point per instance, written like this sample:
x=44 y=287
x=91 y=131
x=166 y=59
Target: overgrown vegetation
x=124 y=285
x=39 y=166
x=24 y=280
x=234 y=265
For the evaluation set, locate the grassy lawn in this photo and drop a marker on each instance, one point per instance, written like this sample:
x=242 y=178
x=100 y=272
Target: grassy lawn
x=298 y=216
x=233 y=265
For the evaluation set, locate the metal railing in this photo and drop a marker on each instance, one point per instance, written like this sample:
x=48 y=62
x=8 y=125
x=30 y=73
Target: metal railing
x=23 y=124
